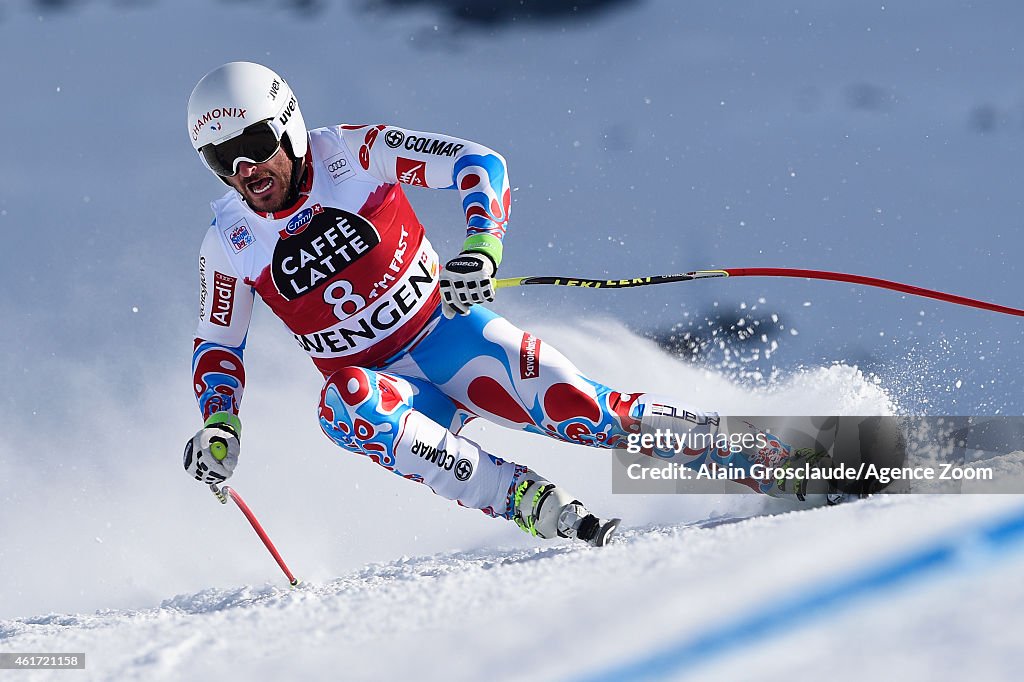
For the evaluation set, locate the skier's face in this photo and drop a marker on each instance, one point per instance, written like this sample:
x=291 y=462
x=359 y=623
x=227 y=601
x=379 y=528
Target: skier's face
x=264 y=186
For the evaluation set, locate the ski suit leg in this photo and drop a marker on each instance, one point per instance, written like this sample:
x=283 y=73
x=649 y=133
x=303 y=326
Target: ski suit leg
x=495 y=370
x=378 y=414
x=492 y=369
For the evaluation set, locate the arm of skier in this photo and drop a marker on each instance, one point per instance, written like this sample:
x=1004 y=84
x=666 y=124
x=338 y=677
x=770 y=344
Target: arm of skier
x=443 y=162
x=218 y=372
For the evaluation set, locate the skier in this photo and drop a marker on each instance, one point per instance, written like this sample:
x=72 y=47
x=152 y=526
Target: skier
x=316 y=222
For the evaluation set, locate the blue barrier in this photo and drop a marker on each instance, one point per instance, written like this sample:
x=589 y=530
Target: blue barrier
x=958 y=550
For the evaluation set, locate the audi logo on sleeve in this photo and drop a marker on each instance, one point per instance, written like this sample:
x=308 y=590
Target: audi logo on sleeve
x=338 y=168
x=223 y=299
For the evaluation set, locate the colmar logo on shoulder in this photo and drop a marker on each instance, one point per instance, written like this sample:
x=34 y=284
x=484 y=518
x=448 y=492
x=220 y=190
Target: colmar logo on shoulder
x=426 y=145
x=300 y=220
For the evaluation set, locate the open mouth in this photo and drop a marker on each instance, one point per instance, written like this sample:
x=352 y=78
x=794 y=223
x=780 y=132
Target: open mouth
x=260 y=186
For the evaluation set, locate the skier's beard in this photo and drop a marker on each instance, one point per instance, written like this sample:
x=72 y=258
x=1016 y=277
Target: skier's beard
x=268 y=191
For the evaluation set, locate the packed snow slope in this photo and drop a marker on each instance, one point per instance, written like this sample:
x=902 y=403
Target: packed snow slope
x=627 y=611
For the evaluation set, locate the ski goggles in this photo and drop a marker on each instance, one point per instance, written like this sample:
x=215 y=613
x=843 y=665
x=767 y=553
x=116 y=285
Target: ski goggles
x=256 y=144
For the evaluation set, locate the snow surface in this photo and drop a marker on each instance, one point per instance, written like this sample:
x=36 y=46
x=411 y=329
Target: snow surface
x=561 y=612
x=881 y=139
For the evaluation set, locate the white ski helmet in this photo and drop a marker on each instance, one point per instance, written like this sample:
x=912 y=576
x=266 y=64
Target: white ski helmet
x=238 y=94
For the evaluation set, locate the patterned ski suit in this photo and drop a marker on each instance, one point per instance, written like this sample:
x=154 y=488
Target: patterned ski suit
x=350 y=272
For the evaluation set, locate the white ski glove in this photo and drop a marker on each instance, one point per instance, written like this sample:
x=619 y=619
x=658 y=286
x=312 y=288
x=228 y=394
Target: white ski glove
x=466 y=281
x=211 y=455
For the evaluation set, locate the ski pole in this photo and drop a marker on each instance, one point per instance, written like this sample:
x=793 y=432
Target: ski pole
x=758 y=272
x=223 y=494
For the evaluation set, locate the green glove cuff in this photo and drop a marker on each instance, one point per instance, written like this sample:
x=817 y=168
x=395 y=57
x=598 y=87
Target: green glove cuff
x=487 y=244
x=228 y=419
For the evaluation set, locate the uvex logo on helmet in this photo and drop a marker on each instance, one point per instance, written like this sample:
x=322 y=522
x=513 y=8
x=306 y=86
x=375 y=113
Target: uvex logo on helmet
x=289 y=109
x=213 y=115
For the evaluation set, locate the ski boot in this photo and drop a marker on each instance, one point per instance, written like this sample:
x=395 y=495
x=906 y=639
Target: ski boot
x=801 y=488
x=541 y=508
